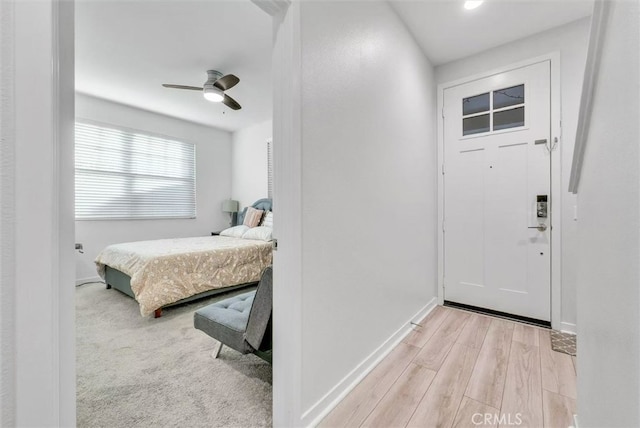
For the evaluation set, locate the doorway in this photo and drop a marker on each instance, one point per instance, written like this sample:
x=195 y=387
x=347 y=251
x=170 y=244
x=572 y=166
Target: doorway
x=497 y=192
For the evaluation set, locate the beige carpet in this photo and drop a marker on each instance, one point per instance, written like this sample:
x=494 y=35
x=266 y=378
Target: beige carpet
x=145 y=372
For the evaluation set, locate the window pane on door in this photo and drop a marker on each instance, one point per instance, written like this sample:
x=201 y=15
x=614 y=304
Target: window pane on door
x=508 y=97
x=508 y=118
x=475 y=104
x=475 y=125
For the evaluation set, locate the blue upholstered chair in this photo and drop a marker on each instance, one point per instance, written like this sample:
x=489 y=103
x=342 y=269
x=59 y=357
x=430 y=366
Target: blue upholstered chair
x=242 y=322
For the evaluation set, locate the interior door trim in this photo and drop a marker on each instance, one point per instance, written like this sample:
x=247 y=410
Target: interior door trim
x=556 y=176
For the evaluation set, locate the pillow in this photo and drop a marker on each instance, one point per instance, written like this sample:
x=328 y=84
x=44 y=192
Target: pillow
x=267 y=220
x=252 y=217
x=260 y=233
x=235 y=231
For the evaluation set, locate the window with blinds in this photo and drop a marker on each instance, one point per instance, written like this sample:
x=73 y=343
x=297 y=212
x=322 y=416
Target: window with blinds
x=269 y=169
x=125 y=174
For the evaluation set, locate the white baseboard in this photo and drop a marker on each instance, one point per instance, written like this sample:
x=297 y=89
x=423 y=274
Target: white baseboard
x=321 y=409
x=90 y=279
x=567 y=327
x=575 y=421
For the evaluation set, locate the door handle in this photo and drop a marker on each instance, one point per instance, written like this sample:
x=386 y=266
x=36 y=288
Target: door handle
x=540 y=228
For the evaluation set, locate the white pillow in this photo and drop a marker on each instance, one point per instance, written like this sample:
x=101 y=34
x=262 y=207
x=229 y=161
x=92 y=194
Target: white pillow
x=260 y=233
x=267 y=220
x=235 y=231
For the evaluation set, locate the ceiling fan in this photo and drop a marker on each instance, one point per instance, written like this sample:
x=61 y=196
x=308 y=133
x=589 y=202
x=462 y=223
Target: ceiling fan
x=214 y=88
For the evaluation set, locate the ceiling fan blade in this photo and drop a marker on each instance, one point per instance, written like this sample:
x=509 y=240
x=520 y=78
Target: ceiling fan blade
x=193 y=88
x=231 y=103
x=226 y=82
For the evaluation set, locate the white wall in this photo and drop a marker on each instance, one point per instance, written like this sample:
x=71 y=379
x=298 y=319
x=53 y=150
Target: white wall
x=609 y=235
x=571 y=41
x=213 y=182
x=249 y=161
x=368 y=186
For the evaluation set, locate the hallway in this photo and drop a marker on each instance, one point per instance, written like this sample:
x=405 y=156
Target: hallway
x=464 y=369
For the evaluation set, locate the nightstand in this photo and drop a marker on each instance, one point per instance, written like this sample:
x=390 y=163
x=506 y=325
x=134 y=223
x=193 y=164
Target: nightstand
x=216 y=233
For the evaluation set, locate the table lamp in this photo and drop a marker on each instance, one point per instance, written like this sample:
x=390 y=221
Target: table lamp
x=230 y=206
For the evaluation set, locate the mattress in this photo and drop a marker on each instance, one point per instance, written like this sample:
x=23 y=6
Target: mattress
x=167 y=270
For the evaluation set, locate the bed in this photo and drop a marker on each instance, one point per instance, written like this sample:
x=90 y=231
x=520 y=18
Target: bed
x=166 y=272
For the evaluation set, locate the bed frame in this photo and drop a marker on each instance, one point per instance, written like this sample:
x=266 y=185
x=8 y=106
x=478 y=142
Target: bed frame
x=261 y=204
x=122 y=282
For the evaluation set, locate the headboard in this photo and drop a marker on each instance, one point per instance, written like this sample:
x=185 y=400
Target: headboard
x=264 y=204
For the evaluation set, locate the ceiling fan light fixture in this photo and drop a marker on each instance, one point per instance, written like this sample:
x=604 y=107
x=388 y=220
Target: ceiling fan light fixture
x=472 y=4
x=213 y=94
x=214 y=88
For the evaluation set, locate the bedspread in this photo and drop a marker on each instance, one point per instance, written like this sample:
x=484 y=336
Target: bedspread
x=167 y=270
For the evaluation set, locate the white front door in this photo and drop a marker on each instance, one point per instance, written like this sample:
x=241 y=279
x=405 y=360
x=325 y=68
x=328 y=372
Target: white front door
x=496 y=170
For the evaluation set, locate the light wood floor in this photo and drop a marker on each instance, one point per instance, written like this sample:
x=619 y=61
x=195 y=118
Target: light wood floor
x=460 y=366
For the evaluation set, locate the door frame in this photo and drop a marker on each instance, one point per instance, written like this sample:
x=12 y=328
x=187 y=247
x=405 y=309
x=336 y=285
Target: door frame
x=38 y=383
x=556 y=175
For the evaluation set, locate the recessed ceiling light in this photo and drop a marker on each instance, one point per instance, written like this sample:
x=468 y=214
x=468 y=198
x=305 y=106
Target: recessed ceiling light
x=472 y=4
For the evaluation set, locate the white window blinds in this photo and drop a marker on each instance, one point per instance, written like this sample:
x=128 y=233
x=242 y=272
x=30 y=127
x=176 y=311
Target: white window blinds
x=124 y=174
x=269 y=168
